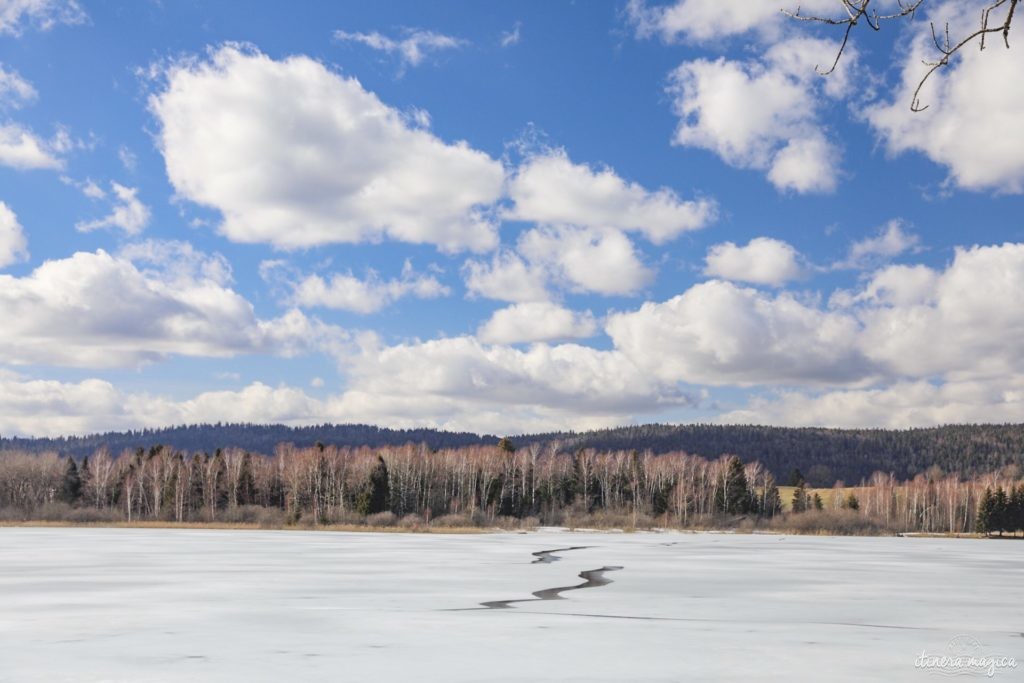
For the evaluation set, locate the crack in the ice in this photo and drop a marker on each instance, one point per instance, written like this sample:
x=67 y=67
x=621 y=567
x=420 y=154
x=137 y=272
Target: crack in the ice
x=548 y=556
x=594 y=579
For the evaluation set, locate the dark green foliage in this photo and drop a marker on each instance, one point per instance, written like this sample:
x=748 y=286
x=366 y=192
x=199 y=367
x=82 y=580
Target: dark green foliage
x=847 y=454
x=1016 y=510
x=84 y=476
x=505 y=445
x=796 y=478
x=257 y=438
x=818 y=503
x=732 y=497
x=660 y=501
x=195 y=474
x=800 y=502
x=246 y=483
x=71 y=486
x=985 y=523
x=851 y=502
x=375 y=495
x=1000 y=508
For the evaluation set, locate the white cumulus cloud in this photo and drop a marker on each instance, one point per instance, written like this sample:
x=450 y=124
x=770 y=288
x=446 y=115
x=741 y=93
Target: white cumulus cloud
x=95 y=309
x=550 y=188
x=460 y=383
x=506 y=277
x=722 y=334
x=586 y=260
x=295 y=155
x=969 y=125
x=345 y=291
x=705 y=20
x=13 y=245
x=535 y=322
x=763 y=113
x=22 y=149
x=763 y=261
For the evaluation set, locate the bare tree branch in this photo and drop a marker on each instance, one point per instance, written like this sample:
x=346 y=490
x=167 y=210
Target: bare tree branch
x=858 y=10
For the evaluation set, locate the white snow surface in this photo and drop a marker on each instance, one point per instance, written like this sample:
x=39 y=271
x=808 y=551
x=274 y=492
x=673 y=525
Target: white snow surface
x=87 y=604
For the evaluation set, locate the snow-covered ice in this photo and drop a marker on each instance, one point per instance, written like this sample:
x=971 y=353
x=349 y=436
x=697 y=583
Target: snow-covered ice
x=83 y=604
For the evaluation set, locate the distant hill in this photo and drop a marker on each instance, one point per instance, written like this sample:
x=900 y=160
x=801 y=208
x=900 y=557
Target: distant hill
x=822 y=455
x=258 y=438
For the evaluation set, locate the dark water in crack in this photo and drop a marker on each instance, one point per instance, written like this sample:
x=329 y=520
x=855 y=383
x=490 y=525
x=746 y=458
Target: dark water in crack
x=594 y=579
x=549 y=556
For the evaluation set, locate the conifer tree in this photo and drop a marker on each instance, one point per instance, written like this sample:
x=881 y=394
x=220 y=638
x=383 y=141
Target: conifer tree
x=375 y=495
x=1000 y=510
x=851 y=502
x=732 y=497
x=800 y=498
x=818 y=503
x=985 y=521
x=246 y=482
x=196 y=493
x=71 y=485
x=85 y=477
x=1016 y=510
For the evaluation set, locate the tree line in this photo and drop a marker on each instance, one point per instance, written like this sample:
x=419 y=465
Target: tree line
x=825 y=455
x=474 y=485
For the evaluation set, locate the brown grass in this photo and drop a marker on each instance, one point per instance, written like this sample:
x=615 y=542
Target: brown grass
x=786 y=495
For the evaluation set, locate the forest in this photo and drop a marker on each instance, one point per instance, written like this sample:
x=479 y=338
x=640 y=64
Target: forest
x=415 y=486
x=824 y=455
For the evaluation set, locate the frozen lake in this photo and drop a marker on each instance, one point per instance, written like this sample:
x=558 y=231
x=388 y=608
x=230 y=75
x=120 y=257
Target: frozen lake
x=171 y=605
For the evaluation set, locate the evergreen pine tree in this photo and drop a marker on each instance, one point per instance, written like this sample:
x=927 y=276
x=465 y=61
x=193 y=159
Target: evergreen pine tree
x=800 y=498
x=246 y=482
x=732 y=497
x=505 y=445
x=851 y=502
x=85 y=477
x=1016 y=509
x=195 y=494
x=1000 y=508
x=375 y=495
x=71 y=485
x=818 y=503
x=984 y=523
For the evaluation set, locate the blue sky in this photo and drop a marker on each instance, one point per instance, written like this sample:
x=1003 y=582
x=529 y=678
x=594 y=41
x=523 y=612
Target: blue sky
x=501 y=217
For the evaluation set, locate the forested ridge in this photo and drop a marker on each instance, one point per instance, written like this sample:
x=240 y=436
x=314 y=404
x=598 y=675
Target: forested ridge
x=823 y=455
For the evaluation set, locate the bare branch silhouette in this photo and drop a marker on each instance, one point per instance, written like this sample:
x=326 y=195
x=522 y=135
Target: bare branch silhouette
x=862 y=11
